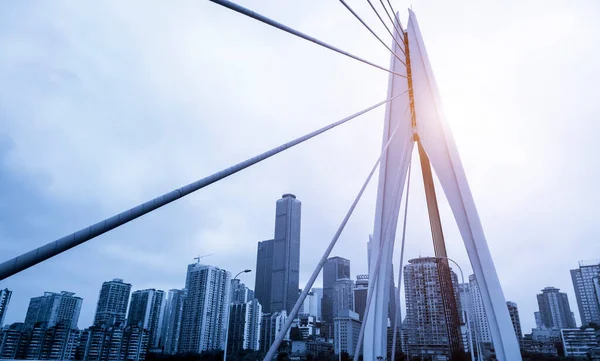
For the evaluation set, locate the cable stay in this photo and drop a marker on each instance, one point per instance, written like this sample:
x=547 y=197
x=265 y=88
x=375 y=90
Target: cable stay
x=65 y=243
x=396 y=17
x=281 y=335
x=372 y=32
x=242 y=10
x=386 y=27
x=399 y=31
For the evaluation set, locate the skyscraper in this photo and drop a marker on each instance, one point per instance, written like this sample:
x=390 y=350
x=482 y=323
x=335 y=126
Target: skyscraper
x=271 y=325
x=343 y=296
x=239 y=292
x=205 y=309
x=335 y=269
x=555 y=311
x=286 y=254
x=146 y=311
x=425 y=312
x=54 y=307
x=361 y=289
x=4 y=300
x=347 y=329
x=112 y=302
x=172 y=321
x=244 y=326
x=586 y=294
x=264 y=274
x=513 y=311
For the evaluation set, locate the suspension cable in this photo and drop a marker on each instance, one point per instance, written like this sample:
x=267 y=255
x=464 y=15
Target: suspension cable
x=399 y=309
x=399 y=31
x=371 y=30
x=396 y=199
x=242 y=10
x=65 y=243
x=396 y=17
x=386 y=27
x=315 y=274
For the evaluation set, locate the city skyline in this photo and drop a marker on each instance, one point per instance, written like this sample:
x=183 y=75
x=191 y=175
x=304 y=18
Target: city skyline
x=58 y=200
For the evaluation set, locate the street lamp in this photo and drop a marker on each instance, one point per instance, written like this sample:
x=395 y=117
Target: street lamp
x=462 y=277
x=227 y=325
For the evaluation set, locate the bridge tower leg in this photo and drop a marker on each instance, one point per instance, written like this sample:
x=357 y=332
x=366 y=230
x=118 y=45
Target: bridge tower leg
x=420 y=116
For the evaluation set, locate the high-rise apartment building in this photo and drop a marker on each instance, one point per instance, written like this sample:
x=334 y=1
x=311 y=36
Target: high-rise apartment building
x=146 y=310
x=172 y=321
x=4 y=300
x=585 y=279
x=52 y=308
x=513 y=311
x=112 y=302
x=240 y=293
x=244 y=326
x=113 y=343
x=555 y=311
x=271 y=325
x=335 y=269
x=425 y=315
x=205 y=309
x=286 y=254
x=361 y=289
x=264 y=274
x=477 y=315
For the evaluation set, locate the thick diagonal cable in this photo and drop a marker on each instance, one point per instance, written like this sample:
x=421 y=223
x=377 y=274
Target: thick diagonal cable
x=396 y=17
x=63 y=244
x=396 y=23
x=399 y=310
x=396 y=198
x=315 y=274
x=250 y=13
x=385 y=26
x=371 y=30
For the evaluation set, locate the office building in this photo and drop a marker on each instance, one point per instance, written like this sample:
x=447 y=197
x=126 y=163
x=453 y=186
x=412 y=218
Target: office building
x=343 y=296
x=205 y=309
x=577 y=342
x=112 y=302
x=240 y=293
x=513 y=311
x=244 y=327
x=172 y=321
x=335 y=268
x=584 y=283
x=271 y=325
x=555 y=311
x=4 y=300
x=425 y=311
x=318 y=292
x=310 y=306
x=264 y=274
x=346 y=329
x=146 y=310
x=52 y=308
x=361 y=290
x=286 y=254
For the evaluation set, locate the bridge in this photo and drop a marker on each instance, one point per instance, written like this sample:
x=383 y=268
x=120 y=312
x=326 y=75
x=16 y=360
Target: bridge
x=413 y=118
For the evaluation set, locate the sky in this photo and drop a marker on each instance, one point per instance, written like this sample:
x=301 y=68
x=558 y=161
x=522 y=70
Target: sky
x=105 y=104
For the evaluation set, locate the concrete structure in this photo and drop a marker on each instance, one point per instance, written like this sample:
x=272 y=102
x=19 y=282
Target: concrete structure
x=577 y=342
x=586 y=294
x=205 y=309
x=513 y=311
x=240 y=293
x=307 y=325
x=245 y=321
x=318 y=292
x=361 y=288
x=4 y=300
x=343 y=296
x=538 y=319
x=172 y=321
x=13 y=342
x=113 y=343
x=555 y=311
x=426 y=320
x=286 y=254
x=52 y=308
x=146 y=310
x=412 y=86
x=271 y=325
x=112 y=302
x=346 y=329
x=264 y=274
x=478 y=315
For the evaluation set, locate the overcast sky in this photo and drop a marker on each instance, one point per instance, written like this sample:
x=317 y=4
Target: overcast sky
x=106 y=104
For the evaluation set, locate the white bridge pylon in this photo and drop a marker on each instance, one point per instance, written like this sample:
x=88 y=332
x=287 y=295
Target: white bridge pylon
x=434 y=134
